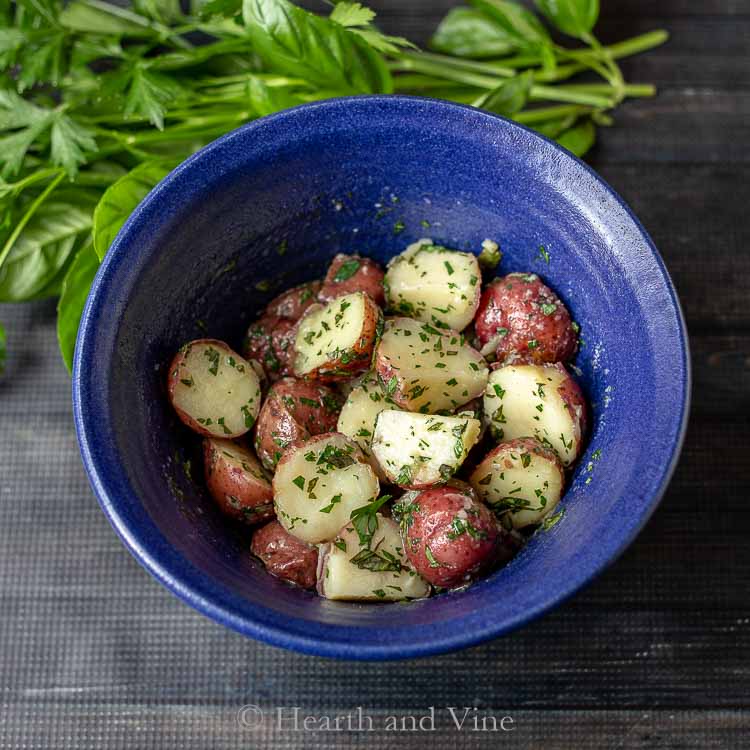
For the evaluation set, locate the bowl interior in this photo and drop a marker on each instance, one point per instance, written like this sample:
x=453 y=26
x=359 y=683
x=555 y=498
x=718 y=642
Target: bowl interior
x=266 y=208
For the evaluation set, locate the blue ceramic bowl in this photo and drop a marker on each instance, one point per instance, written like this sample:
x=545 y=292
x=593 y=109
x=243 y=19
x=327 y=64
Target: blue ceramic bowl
x=266 y=207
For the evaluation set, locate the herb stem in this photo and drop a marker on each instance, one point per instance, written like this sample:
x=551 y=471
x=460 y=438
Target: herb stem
x=30 y=211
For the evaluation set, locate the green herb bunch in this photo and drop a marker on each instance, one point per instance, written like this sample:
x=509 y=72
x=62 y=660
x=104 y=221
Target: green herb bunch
x=99 y=102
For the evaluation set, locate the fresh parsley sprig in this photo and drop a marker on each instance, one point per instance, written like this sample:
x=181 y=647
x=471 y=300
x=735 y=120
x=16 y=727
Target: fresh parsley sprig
x=99 y=102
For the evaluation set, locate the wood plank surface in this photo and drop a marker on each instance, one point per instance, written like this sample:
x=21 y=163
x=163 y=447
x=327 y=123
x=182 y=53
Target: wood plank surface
x=655 y=654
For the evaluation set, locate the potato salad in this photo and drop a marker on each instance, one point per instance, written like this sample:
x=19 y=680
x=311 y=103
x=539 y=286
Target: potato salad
x=389 y=434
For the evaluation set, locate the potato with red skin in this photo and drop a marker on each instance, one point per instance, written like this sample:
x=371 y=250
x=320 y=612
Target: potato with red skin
x=521 y=319
x=449 y=536
x=236 y=480
x=335 y=341
x=258 y=346
x=214 y=390
x=285 y=556
x=352 y=273
x=541 y=401
x=270 y=339
x=293 y=304
x=293 y=411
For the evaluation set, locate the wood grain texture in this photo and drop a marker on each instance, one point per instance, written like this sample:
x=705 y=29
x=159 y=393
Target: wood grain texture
x=655 y=654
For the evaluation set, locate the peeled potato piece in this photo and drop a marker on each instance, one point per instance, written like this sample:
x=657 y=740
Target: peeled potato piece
x=521 y=478
x=541 y=401
x=434 y=284
x=213 y=389
x=379 y=571
x=335 y=341
x=359 y=413
x=428 y=370
x=419 y=450
x=319 y=483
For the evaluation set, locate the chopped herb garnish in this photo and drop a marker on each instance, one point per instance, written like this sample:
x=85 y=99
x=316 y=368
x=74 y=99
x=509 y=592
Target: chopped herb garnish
x=299 y=481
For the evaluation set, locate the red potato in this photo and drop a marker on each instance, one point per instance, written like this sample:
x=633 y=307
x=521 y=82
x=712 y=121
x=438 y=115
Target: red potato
x=214 y=390
x=449 y=536
x=293 y=411
x=236 y=480
x=522 y=319
x=541 y=401
x=334 y=341
x=293 y=304
x=352 y=273
x=521 y=479
x=428 y=370
x=285 y=556
x=270 y=339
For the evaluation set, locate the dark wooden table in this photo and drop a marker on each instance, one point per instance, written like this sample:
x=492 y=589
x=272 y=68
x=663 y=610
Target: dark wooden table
x=655 y=654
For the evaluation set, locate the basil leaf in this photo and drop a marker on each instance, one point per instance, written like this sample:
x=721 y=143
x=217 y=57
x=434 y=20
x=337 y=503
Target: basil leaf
x=521 y=25
x=578 y=139
x=266 y=100
x=466 y=32
x=575 y=18
x=292 y=41
x=33 y=266
x=510 y=96
x=121 y=198
x=75 y=290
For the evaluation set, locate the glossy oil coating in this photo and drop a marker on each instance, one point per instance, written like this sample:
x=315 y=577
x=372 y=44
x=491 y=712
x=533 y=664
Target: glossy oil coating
x=274 y=201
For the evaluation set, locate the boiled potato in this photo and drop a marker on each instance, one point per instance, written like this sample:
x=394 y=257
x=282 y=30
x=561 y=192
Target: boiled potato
x=376 y=571
x=428 y=370
x=285 y=556
x=522 y=479
x=541 y=401
x=236 y=480
x=520 y=319
x=319 y=483
x=293 y=411
x=449 y=536
x=419 y=450
x=335 y=341
x=213 y=389
x=358 y=415
x=434 y=284
x=352 y=273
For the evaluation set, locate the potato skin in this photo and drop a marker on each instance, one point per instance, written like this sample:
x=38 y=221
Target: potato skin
x=367 y=277
x=270 y=339
x=285 y=556
x=237 y=481
x=522 y=319
x=449 y=536
x=293 y=411
x=575 y=402
x=293 y=304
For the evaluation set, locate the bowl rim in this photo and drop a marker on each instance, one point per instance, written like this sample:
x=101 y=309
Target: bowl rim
x=172 y=572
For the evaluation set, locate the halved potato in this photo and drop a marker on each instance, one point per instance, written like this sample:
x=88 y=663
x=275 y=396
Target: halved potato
x=213 y=389
x=434 y=284
x=379 y=571
x=428 y=370
x=358 y=415
x=319 y=483
x=541 y=401
x=521 y=478
x=335 y=341
x=420 y=450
